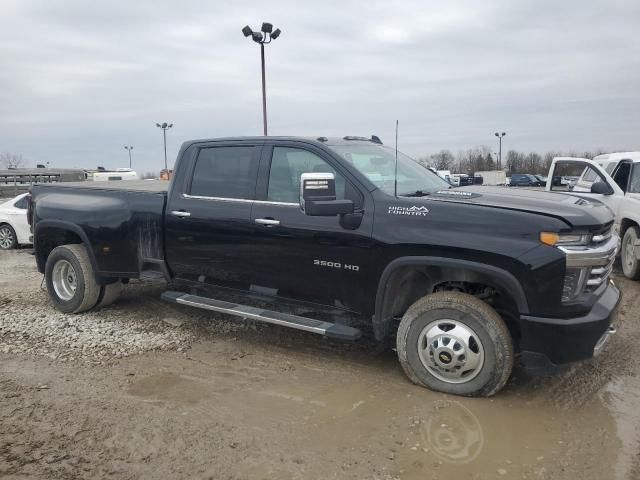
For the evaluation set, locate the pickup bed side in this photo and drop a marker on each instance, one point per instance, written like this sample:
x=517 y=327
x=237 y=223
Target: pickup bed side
x=121 y=229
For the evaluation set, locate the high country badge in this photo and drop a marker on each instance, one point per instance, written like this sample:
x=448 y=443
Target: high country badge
x=412 y=211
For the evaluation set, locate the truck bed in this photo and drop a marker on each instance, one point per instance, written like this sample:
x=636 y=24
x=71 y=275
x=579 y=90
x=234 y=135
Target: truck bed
x=120 y=222
x=150 y=186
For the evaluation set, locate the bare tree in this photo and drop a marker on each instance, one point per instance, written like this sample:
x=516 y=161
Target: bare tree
x=443 y=160
x=11 y=160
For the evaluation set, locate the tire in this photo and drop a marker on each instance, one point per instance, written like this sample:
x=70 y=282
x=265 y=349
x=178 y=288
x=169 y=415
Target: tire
x=109 y=294
x=8 y=237
x=630 y=263
x=68 y=296
x=447 y=315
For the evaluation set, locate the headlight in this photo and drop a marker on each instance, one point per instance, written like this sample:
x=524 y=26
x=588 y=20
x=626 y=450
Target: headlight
x=561 y=239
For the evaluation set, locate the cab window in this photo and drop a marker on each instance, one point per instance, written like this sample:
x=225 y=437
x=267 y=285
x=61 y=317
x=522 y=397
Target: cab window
x=634 y=182
x=225 y=172
x=621 y=175
x=288 y=165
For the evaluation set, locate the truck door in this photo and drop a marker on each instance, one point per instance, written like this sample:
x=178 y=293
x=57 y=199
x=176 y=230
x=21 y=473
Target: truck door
x=208 y=227
x=320 y=259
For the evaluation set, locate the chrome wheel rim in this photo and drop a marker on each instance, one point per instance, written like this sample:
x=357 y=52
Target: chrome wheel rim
x=64 y=280
x=628 y=252
x=6 y=237
x=451 y=351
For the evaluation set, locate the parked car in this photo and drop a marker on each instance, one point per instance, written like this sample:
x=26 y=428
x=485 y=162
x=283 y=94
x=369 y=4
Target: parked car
x=620 y=191
x=524 y=180
x=542 y=180
x=14 y=228
x=461 y=180
x=323 y=236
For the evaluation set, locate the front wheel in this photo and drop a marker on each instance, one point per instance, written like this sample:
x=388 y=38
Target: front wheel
x=455 y=343
x=630 y=264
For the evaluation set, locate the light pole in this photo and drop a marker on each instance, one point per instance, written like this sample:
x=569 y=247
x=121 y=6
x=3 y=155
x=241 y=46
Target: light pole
x=500 y=135
x=164 y=127
x=263 y=37
x=129 y=148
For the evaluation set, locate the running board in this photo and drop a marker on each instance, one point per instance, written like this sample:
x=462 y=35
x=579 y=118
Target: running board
x=328 y=329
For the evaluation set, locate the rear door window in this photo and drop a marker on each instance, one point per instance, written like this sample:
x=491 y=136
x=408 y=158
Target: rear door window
x=225 y=172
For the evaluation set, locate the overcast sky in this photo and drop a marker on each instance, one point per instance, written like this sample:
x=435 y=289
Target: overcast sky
x=80 y=79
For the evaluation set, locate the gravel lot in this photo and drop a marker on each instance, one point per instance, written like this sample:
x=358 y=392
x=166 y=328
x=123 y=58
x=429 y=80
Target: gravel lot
x=145 y=389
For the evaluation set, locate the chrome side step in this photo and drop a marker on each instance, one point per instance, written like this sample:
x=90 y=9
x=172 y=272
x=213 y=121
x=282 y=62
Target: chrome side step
x=328 y=329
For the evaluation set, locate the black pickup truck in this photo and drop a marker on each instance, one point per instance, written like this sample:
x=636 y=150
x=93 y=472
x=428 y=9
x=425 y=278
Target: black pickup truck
x=326 y=235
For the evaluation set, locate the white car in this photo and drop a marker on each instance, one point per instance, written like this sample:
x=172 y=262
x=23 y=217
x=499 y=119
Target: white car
x=620 y=191
x=14 y=227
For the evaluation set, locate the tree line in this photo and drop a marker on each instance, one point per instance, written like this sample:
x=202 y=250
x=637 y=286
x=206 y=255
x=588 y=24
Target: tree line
x=483 y=158
x=11 y=160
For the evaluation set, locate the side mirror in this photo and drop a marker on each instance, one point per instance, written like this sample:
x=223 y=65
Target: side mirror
x=602 y=188
x=318 y=196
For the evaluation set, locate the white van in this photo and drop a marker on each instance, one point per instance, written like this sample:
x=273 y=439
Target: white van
x=119 y=174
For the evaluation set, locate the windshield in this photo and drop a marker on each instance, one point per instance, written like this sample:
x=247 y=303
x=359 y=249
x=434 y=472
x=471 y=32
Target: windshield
x=377 y=163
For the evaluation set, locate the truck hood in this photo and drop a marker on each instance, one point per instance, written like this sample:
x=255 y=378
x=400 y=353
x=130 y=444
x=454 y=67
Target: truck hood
x=577 y=212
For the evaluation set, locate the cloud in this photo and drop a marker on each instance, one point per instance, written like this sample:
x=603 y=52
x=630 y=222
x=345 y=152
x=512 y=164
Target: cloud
x=79 y=80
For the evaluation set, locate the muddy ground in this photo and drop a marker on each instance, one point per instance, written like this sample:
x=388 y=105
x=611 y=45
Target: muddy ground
x=199 y=396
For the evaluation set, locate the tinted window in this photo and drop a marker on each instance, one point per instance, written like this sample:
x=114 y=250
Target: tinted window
x=225 y=172
x=621 y=175
x=634 y=184
x=287 y=165
x=22 y=203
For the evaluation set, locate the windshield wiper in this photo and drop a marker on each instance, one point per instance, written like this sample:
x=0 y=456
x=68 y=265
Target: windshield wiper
x=417 y=193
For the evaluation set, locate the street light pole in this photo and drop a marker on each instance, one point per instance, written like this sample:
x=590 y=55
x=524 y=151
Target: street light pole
x=266 y=35
x=264 y=92
x=500 y=135
x=129 y=148
x=164 y=127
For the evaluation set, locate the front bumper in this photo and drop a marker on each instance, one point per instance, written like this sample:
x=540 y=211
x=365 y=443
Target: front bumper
x=564 y=340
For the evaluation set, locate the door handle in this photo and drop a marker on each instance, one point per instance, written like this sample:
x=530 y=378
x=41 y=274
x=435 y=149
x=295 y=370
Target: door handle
x=180 y=213
x=267 y=222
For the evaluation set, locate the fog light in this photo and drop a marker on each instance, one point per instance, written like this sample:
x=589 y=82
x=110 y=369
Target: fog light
x=573 y=284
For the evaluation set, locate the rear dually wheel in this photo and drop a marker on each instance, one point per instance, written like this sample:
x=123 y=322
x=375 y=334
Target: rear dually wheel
x=70 y=279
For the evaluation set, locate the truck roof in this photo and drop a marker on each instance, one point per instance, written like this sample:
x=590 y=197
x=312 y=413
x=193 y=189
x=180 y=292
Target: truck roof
x=346 y=140
x=634 y=156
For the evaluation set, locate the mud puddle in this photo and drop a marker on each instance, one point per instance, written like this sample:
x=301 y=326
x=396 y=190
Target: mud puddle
x=369 y=417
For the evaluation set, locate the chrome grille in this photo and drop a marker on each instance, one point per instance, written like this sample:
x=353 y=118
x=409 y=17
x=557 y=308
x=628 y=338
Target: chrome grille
x=602 y=236
x=599 y=275
x=589 y=267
